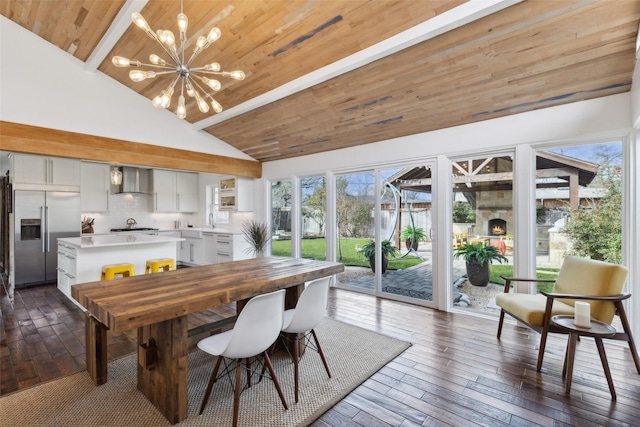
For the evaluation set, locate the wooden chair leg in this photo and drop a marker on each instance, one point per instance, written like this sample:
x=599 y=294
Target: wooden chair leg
x=627 y=329
x=544 y=332
x=212 y=380
x=500 y=323
x=296 y=361
x=605 y=366
x=236 y=392
x=267 y=362
x=247 y=362
x=324 y=361
x=270 y=351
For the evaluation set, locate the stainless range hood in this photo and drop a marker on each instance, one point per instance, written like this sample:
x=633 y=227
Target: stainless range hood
x=134 y=180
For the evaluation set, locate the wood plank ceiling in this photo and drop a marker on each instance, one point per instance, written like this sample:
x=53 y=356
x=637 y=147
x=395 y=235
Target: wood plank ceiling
x=533 y=54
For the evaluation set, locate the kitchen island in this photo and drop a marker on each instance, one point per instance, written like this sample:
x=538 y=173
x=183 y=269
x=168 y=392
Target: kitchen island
x=80 y=259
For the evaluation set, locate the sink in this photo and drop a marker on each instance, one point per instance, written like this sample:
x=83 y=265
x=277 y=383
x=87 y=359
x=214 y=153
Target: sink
x=194 y=234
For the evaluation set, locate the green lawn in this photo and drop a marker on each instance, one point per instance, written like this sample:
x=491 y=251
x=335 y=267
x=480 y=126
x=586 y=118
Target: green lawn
x=316 y=249
x=507 y=270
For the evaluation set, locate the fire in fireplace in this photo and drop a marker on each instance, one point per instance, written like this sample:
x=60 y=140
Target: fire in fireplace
x=497 y=227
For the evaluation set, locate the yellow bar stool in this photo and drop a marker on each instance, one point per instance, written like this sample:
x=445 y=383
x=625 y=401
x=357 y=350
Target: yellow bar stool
x=109 y=271
x=160 y=264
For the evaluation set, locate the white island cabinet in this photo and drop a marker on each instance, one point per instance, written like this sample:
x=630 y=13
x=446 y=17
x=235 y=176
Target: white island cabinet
x=80 y=259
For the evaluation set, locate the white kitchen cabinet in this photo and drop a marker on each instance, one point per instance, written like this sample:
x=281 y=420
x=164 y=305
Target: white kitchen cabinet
x=231 y=247
x=33 y=170
x=174 y=191
x=94 y=187
x=164 y=190
x=236 y=193
x=187 y=191
x=210 y=251
x=193 y=251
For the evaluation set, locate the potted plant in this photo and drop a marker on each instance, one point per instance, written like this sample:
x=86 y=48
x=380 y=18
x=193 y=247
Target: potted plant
x=478 y=257
x=369 y=251
x=257 y=234
x=410 y=233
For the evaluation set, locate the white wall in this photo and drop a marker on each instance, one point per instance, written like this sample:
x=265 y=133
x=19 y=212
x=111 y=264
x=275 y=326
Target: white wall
x=42 y=85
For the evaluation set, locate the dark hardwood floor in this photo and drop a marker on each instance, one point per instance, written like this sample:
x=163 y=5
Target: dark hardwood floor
x=456 y=372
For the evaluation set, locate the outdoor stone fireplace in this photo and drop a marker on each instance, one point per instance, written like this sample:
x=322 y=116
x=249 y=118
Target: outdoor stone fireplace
x=497 y=227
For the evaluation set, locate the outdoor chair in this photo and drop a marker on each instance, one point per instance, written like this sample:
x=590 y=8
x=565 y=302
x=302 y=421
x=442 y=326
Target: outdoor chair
x=258 y=326
x=596 y=282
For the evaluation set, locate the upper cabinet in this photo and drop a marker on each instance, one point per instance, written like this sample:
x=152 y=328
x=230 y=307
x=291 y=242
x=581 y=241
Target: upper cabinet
x=236 y=193
x=94 y=188
x=187 y=191
x=174 y=191
x=42 y=172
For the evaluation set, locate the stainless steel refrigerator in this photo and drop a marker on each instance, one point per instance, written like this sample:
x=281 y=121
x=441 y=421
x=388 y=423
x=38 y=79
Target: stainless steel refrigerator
x=41 y=217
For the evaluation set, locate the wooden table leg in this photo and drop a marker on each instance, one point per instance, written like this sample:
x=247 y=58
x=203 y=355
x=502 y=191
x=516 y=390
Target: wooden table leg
x=96 y=349
x=162 y=366
x=605 y=366
x=571 y=352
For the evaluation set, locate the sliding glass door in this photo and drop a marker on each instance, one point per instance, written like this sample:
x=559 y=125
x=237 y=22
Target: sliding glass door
x=384 y=218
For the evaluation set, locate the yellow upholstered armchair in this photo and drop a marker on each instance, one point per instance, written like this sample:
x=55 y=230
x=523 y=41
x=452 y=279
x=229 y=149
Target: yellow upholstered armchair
x=596 y=282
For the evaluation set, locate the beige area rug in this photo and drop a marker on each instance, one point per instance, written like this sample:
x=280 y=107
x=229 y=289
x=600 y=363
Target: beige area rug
x=353 y=354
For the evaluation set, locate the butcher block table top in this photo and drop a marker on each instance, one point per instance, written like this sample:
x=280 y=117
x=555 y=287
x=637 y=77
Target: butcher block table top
x=133 y=302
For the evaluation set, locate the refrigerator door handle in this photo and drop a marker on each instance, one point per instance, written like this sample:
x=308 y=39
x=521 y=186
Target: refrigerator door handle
x=42 y=228
x=46 y=209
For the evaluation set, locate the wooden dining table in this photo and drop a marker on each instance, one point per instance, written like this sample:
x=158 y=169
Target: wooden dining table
x=157 y=305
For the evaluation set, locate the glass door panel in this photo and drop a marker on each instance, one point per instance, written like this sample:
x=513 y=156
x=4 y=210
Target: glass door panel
x=405 y=216
x=281 y=218
x=578 y=205
x=355 y=197
x=314 y=213
x=482 y=216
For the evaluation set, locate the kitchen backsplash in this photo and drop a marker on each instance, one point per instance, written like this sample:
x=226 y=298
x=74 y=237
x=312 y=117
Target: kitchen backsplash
x=138 y=206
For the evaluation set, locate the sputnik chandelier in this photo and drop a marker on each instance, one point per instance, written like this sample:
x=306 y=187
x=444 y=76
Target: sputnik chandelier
x=185 y=75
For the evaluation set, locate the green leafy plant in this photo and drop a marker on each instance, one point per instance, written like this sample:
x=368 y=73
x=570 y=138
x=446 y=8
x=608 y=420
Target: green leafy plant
x=409 y=231
x=480 y=252
x=257 y=234
x=387 y=249
x=595 y=231
x=462 y=213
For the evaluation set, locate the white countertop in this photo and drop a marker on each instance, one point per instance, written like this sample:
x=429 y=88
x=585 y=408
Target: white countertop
x=102 y=240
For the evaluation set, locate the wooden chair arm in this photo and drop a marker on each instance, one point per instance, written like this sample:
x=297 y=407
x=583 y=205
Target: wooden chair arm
x=619 y=297
x=508 y=280
x=516 y=279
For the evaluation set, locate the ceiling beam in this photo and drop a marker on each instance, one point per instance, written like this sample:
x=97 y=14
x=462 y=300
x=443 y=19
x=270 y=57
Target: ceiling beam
x=113 y=34
x=447 y=21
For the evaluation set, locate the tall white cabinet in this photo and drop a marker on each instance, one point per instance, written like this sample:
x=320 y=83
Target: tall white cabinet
x=94 y=187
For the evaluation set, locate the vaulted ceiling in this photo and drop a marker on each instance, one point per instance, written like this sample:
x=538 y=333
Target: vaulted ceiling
x=328 y=74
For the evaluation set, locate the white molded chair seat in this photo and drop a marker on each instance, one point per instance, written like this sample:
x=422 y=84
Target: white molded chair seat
x=257 y=328
x=308 y=313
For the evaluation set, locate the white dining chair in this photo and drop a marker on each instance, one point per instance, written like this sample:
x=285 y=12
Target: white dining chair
x=257 y=328
x=308 y=313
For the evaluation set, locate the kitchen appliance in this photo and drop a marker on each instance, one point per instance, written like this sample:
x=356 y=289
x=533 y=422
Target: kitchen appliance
x=40 y=218
x=134 y=180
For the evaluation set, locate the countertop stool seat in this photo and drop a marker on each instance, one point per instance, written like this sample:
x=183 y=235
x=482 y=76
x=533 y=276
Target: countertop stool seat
x=110 y=271
x=160 y=264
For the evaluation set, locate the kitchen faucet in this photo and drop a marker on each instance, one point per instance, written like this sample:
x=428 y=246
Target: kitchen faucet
x=131 y=223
